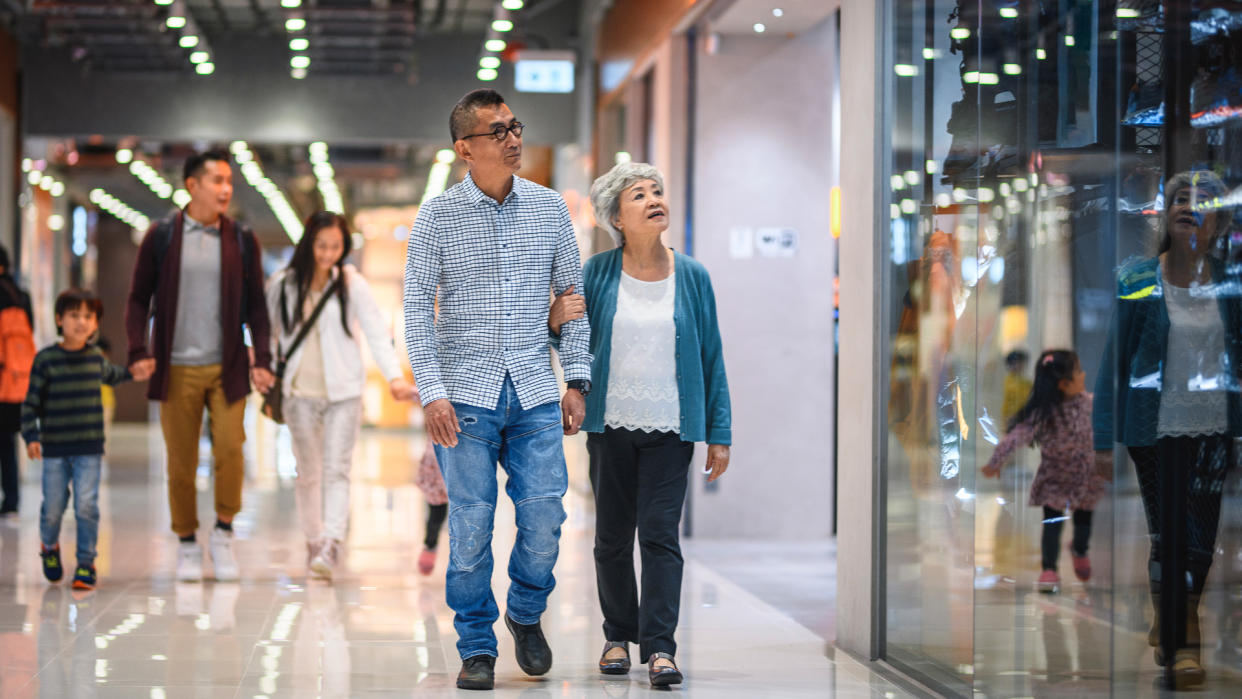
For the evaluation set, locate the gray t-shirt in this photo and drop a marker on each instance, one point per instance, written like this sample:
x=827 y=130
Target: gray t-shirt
x=197 y=339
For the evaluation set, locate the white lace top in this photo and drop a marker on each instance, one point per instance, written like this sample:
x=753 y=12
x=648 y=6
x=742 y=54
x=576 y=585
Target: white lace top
x=1193 y=398
x=642 y=378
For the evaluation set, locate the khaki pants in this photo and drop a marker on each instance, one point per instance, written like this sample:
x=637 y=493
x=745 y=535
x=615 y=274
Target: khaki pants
x=190 y=389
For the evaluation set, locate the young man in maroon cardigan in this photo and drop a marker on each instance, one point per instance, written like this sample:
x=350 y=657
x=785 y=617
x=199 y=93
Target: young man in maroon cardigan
x=203 y=272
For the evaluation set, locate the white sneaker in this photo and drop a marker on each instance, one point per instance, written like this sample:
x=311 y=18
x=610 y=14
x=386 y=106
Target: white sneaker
x=189 y=561
x=325 y=560
x=222 y=559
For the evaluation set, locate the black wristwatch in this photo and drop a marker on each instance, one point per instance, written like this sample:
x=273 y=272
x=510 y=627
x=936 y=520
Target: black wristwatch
x=583 y=386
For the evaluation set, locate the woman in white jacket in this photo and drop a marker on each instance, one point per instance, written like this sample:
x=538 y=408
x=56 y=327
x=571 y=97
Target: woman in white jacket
x=324 y=376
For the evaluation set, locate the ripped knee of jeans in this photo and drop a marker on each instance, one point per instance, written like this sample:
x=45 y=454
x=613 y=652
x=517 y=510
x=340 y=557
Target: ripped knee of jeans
x=470 y=535
x=539 y=524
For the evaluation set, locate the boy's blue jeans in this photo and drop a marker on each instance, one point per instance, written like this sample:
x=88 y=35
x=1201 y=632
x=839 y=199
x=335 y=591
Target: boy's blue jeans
x=527 y=443
x=83 y=473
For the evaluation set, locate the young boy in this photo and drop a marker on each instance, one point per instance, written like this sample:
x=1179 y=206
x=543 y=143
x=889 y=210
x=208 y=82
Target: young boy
x=1017 y=386
x=62 y=423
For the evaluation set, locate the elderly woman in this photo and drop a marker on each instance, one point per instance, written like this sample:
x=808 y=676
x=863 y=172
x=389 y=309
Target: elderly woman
x=1168 y=389
x=659 y=387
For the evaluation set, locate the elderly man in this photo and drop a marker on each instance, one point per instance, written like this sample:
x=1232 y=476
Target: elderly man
x=492 y=247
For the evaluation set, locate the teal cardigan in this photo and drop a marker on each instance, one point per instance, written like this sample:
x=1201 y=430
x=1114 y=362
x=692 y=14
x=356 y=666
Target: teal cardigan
x=702 y=389
x=1127 y=390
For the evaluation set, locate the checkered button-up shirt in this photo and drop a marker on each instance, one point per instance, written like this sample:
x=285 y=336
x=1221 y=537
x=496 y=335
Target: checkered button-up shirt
x=493 y=266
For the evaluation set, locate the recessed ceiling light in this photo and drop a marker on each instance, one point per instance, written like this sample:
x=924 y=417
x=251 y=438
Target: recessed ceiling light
x=175 y=22
x=489 y=62
x=495 y=45
x=199 y=57
x=759 y=28
x=778 y=12
x=188 y=41
x=295 y=24
x=206 y=68
x=487 y=74
x=299 y=61
x=291 y=3
x=299 y=44
x=512 y=4
x=124 y=155
x=502 y=25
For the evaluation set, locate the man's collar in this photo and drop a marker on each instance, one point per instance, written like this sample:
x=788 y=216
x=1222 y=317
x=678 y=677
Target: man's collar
x=477 y=195
x=191 y=222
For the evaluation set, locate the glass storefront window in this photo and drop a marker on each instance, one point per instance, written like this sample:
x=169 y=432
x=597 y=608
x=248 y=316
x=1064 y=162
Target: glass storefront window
x=1062 y=175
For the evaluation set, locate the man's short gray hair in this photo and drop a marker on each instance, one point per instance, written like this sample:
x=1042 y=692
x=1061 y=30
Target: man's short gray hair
x=606 y=193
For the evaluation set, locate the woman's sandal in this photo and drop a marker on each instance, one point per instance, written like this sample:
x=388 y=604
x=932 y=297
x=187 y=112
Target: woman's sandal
x=663 y=676
x=615 y=666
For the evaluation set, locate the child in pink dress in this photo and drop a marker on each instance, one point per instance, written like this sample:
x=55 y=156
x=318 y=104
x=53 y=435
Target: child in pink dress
x=431 y=482
x=1057 y=418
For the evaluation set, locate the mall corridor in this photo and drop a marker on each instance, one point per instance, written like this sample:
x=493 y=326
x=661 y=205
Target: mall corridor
x=378 y=629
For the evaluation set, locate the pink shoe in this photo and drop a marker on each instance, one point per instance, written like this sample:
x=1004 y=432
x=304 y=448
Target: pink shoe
x=1082 y=565
x=427 y=561
x=1049 y=581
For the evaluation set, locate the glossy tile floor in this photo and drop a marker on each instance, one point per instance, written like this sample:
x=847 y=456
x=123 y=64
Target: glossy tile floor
x=379 y=630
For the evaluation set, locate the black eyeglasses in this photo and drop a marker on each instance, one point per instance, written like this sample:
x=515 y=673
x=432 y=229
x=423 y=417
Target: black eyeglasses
x=501 y=132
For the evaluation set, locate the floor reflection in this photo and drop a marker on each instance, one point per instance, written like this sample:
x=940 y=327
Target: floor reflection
x=380 y=629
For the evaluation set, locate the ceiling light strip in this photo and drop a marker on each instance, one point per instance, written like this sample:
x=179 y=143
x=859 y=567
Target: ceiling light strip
x=151 y=178
x=493 y=44
x=325 y=175
x=36 y=177
x=190 y=37
x=276 y=201
x=119 y=209
x=437 y=178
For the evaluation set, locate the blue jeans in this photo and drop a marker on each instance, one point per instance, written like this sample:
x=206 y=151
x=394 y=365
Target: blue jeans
x=527 y=443
x=83 y=473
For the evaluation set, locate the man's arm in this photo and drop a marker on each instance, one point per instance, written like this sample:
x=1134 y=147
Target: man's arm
x=575 y=342
x=422 y=279
x=260 y=327
x=138 y=306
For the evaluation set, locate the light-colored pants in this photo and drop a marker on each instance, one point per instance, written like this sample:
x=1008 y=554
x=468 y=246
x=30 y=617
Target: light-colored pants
x=324 y=434
x=190 y=390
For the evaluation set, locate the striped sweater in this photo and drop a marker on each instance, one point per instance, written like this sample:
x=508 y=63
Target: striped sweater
x=63 y=410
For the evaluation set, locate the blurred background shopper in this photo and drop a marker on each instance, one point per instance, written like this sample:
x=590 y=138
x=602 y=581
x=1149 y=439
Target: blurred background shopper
x=323 y=377
x=1174 y=343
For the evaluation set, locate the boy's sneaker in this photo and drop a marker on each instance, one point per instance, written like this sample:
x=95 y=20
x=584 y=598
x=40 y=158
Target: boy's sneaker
x=222 y=559
x=1049 y=581
x=53 y=570
x=1082 y=565
x=189 y=561
x=84 y=578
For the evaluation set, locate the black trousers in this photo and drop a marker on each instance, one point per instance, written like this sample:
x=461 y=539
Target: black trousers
x=435 y=521
x=1054 y=519
x=639 y=480
x=9 y=480
x=1206 y=461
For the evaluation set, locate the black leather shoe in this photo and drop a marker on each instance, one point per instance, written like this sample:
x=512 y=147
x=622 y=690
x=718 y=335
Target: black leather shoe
x=614 y=666
x=533 y=654
x=477 y=672
x=663 y=676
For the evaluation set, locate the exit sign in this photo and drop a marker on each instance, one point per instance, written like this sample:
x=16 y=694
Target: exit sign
x=544 y=71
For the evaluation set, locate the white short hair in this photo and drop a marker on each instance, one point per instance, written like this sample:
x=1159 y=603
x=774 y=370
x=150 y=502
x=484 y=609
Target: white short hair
x=606 y=193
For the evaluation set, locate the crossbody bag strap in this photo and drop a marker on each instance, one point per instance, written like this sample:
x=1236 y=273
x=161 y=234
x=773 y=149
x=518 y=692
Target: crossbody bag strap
x=306 y=327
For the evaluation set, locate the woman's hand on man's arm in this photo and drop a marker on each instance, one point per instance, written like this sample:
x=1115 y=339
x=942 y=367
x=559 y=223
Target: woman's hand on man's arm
x=566 y=307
